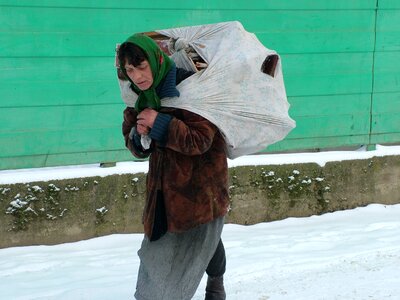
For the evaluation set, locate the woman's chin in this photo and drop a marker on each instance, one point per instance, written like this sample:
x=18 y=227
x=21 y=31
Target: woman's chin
x=143 y=86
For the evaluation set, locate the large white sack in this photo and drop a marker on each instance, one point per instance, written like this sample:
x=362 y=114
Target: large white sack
x=249 y=107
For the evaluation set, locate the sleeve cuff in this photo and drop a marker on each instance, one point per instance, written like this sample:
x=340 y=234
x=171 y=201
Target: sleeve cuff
x=159 y=132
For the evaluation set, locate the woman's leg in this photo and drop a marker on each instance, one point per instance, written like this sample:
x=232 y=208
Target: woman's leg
x=217 y=265
x=216 y=268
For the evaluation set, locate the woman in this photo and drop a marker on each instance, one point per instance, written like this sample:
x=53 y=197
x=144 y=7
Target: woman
x=187 y=194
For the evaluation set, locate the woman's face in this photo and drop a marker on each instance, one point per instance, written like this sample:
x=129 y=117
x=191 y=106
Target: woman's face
x=140 y=75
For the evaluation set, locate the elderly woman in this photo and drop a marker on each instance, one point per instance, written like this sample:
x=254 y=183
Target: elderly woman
x=187 y=194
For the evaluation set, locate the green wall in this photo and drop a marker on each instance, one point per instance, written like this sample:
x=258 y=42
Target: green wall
x=60 y=100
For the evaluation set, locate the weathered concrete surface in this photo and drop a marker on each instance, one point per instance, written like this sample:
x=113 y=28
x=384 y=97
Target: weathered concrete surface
x=75 y=209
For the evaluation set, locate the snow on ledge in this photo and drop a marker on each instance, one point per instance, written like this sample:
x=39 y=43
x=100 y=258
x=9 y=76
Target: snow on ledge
x=68 y=172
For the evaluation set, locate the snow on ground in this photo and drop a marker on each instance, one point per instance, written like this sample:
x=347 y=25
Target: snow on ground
x=65 y=172
x=344 y=255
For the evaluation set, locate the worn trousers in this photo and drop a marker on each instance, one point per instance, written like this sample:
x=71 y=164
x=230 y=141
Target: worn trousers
x=217 y=264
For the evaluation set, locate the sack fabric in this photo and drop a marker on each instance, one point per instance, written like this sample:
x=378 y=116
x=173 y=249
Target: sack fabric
x=249 y=107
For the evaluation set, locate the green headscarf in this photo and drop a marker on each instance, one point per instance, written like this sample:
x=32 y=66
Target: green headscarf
x=160 y=65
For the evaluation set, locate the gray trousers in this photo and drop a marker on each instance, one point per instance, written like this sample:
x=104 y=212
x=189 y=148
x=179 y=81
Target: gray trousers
x=171 y=268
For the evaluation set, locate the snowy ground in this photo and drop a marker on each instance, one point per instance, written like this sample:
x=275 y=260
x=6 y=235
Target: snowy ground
x=65 y=172
x=345 y=255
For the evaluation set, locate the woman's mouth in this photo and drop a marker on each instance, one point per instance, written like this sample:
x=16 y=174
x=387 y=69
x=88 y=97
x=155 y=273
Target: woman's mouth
x=141 y=83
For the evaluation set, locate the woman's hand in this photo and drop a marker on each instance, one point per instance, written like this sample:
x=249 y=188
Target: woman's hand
x=145 y=121
x=142 y=130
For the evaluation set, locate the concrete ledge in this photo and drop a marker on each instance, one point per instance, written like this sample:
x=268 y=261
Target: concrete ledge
x=51 y=212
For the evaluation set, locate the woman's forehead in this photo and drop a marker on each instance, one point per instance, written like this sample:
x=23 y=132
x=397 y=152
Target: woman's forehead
x=128 y=64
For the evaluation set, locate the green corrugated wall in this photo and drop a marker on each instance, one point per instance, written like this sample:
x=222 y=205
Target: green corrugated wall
x=60 y=100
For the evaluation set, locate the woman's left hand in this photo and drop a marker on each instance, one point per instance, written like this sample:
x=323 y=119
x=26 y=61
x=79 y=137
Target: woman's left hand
x=147 y=117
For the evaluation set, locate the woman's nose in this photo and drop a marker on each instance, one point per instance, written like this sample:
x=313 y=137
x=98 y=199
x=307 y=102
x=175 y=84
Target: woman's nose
x=135 y=75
